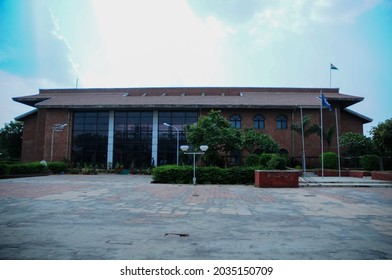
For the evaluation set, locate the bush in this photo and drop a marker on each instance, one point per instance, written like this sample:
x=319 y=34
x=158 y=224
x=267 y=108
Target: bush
x=252 y=160
x=330 y=160
x=205 y=175
x=4 y=169
x=370 y=162
x=27 y=168
x=57 y=167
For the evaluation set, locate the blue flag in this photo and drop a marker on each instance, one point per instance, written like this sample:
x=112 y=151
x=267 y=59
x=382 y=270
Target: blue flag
x=333 y=67
x=324 y=102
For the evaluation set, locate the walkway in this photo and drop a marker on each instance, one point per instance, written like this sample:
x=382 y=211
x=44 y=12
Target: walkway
x=126 y=217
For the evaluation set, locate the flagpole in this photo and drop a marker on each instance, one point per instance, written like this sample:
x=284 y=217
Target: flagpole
x=330 y=76
x=337 y=140
x=322 y=136
x=303 y=144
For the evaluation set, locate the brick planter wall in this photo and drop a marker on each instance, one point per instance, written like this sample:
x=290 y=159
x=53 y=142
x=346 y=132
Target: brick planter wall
x=379 y=175
x=276 y=179
x=332 y=173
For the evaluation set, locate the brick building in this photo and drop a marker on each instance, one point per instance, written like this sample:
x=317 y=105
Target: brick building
x=125 y=125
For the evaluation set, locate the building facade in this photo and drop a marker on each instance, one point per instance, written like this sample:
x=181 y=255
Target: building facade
x=106 y=126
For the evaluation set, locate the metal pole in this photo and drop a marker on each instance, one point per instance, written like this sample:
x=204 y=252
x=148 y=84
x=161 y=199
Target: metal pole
x=303 y=145
x=194 y=168
x=322 y=136
x=337 y=139
x=51 y=147
x=178 y=143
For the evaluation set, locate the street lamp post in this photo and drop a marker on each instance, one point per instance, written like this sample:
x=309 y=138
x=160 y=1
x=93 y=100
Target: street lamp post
x=58 y=127
x=203 y=149
x=178 y=137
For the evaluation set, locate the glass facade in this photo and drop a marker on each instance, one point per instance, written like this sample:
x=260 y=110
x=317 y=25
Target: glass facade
x=133 y=134
x=167 y=135
x=133 y=138
x=90 y=137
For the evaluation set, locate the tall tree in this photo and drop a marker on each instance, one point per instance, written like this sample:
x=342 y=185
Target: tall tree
x=258 y=143
x=11 y=140
x=215 y=131
x=382 y=137
x=355 y=144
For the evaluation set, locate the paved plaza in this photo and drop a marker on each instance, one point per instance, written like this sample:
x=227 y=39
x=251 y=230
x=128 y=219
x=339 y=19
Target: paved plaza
x=115 y=217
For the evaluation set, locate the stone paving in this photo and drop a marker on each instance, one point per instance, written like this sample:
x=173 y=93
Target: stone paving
x=127 y=217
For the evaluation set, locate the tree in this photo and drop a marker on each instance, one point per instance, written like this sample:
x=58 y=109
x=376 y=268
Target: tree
x=11 y=140
x=255 y=142
x=215 y=131
x=327 y=134
x=382 y=137
x=355 y=144
x=308 y=128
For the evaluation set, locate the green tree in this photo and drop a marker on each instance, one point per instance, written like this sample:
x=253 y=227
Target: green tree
x=382 y=137
x=11 y=140
x=257 y=143
x=328 y=133
x=309 y=128
x=215 y=131
x=355 y=144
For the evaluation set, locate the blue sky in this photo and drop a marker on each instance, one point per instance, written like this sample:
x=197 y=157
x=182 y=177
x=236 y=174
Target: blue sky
x=52 y=43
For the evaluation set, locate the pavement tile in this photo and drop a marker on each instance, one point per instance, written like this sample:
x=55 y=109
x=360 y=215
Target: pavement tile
x=127 y=217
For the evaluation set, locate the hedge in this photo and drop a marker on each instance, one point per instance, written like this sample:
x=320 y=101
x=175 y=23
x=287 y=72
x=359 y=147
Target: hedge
x=330 y=160
x=174 y=174
x=31 y=168
x=370 y=162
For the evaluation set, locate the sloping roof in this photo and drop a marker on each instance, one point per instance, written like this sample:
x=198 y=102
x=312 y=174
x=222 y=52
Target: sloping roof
x=187 y=97
x=25 y=115
x=358 y=115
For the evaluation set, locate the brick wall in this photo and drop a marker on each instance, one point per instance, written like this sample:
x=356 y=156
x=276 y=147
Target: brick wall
x=37 y=134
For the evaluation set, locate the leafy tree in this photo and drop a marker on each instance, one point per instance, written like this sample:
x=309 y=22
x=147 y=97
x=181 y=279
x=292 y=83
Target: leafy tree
x=11 y=140
x=215 y=131
x=355 y=144
x=308 y=128
x=382 y=137
x=328 y=133
x=255 y=142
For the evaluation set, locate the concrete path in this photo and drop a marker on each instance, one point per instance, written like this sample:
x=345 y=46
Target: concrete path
x=126 y=217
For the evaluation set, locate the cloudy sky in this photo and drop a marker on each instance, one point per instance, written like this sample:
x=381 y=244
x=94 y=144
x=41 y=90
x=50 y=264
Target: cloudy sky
x=138 y=43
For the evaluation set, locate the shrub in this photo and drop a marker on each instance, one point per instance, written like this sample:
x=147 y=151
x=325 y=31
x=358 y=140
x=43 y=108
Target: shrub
x=205 y=175
x=173 y=174
x=264 y=159
x=4 y=169
x=370 y=162
x=57 y=167
x=27 y=168
x=252 y=160
x=330 y=160
x=273 y=161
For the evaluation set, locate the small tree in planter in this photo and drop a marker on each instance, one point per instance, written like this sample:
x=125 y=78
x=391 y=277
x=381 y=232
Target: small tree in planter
x=330 y=160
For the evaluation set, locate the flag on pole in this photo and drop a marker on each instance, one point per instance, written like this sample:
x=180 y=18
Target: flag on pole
x=324 y=102
x=333 y=67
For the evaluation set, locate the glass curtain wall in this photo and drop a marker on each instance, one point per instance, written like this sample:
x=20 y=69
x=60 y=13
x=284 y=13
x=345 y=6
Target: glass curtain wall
x=90 y=138
x=132 y=139
x=167 y=136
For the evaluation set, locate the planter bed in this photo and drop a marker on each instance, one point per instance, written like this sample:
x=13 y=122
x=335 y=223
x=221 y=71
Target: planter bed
x=276 y=179
x=23 y=175
x=382 y=175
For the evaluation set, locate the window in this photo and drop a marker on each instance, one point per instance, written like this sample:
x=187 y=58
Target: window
x=281 y=122
x=258 y=122
x=90 y=137
x=235 y=121
x=167 y=135
x=132 y=138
